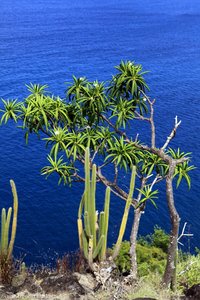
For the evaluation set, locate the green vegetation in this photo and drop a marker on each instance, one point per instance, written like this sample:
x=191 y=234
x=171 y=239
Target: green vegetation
x=188 y=271
x=159 y=238
x=151 y=254
x=97 y=115
x=149 y=287
x=93 y=237
x=94 y=230
x=151 y=258
x=7 y=241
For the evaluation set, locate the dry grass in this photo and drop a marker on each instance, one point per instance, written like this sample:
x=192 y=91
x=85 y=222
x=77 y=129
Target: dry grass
x=150 y=286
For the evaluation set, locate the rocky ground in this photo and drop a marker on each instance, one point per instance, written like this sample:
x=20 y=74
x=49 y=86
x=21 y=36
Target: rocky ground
x=45 y=285
x=49 y=285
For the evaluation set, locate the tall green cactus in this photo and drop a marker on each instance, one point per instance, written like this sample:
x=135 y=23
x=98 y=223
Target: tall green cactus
x=6 y=246
x=93 y=230
x=125 y=215
x=93 y=237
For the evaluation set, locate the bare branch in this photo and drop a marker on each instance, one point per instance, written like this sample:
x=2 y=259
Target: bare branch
x=140 y=117
x=106 y=163
x=95 y=153
x=121 y=133
x=147 y=98
x=136 y=138
x=143 y=182
x=172 y=134
x=114 y=187
x=156 y=180
x=150 y=119
x=183 y=234
x=116 y=173
x=153 y=129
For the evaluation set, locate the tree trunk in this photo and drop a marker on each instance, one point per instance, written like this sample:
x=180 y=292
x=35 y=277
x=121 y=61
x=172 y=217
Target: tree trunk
x=133 y=239
x=174 y=217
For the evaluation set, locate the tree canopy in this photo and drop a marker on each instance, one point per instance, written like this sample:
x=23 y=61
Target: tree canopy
x=95 y=115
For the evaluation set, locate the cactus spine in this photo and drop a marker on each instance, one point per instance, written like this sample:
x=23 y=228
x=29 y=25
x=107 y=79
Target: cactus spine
x=92 y=232
x=6 y=247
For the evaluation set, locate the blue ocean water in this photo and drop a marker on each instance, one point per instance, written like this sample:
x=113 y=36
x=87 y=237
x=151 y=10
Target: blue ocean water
x=46 y=42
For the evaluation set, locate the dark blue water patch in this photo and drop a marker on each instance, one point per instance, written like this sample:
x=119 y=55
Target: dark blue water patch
x=46 y=42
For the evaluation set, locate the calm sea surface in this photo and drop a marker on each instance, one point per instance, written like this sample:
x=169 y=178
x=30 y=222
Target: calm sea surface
x=46 y=42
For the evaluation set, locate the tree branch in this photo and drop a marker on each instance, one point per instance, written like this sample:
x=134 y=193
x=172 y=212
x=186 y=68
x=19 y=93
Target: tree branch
x=183 y=234
x=172 y=134
x=114 y=187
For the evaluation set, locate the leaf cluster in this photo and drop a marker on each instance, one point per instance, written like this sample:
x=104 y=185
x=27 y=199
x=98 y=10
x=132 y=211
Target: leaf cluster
x=92 y=115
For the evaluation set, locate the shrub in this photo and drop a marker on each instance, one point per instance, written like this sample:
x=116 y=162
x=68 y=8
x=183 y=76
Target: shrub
x=188 y=271
x=149 y=258
x=159 y=238
x=123 y=259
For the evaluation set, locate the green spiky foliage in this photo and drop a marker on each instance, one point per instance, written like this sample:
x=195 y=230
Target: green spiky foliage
x=92 y=230
x=6 y=243
x=93 y=115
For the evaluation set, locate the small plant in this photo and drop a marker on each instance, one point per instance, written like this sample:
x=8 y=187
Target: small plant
x=123 y=259
x=159 y=238
x=6 y=244
x=151 y=253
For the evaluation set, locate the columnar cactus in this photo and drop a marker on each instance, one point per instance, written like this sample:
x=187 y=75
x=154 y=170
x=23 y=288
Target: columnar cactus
x=92 y=230
x=6 y=246
x=125 y=215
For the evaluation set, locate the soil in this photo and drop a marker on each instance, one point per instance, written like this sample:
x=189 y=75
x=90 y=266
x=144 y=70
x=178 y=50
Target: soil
x=52 y=285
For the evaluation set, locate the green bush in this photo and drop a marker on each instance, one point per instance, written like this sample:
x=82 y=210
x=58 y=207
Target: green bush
x=188 y=271
x=123 y=259
x=159 y=238
x=149 y=258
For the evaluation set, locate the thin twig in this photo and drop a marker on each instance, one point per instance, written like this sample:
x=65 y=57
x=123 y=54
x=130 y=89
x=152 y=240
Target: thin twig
x=116 y=173
x=183 y=234
x=172 y=134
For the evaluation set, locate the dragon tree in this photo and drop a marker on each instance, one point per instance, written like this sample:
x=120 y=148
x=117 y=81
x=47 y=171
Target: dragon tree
x=101 y=116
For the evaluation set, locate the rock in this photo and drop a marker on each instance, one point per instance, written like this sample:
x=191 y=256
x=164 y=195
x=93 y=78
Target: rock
x=87 y=281
x=104 y=271
x=18 y=280
x=32 y=285
x=62 y=283
x=193 y=293
x=5 y=295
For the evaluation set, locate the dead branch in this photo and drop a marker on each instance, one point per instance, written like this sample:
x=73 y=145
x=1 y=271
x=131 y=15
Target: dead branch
x=172 y=134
